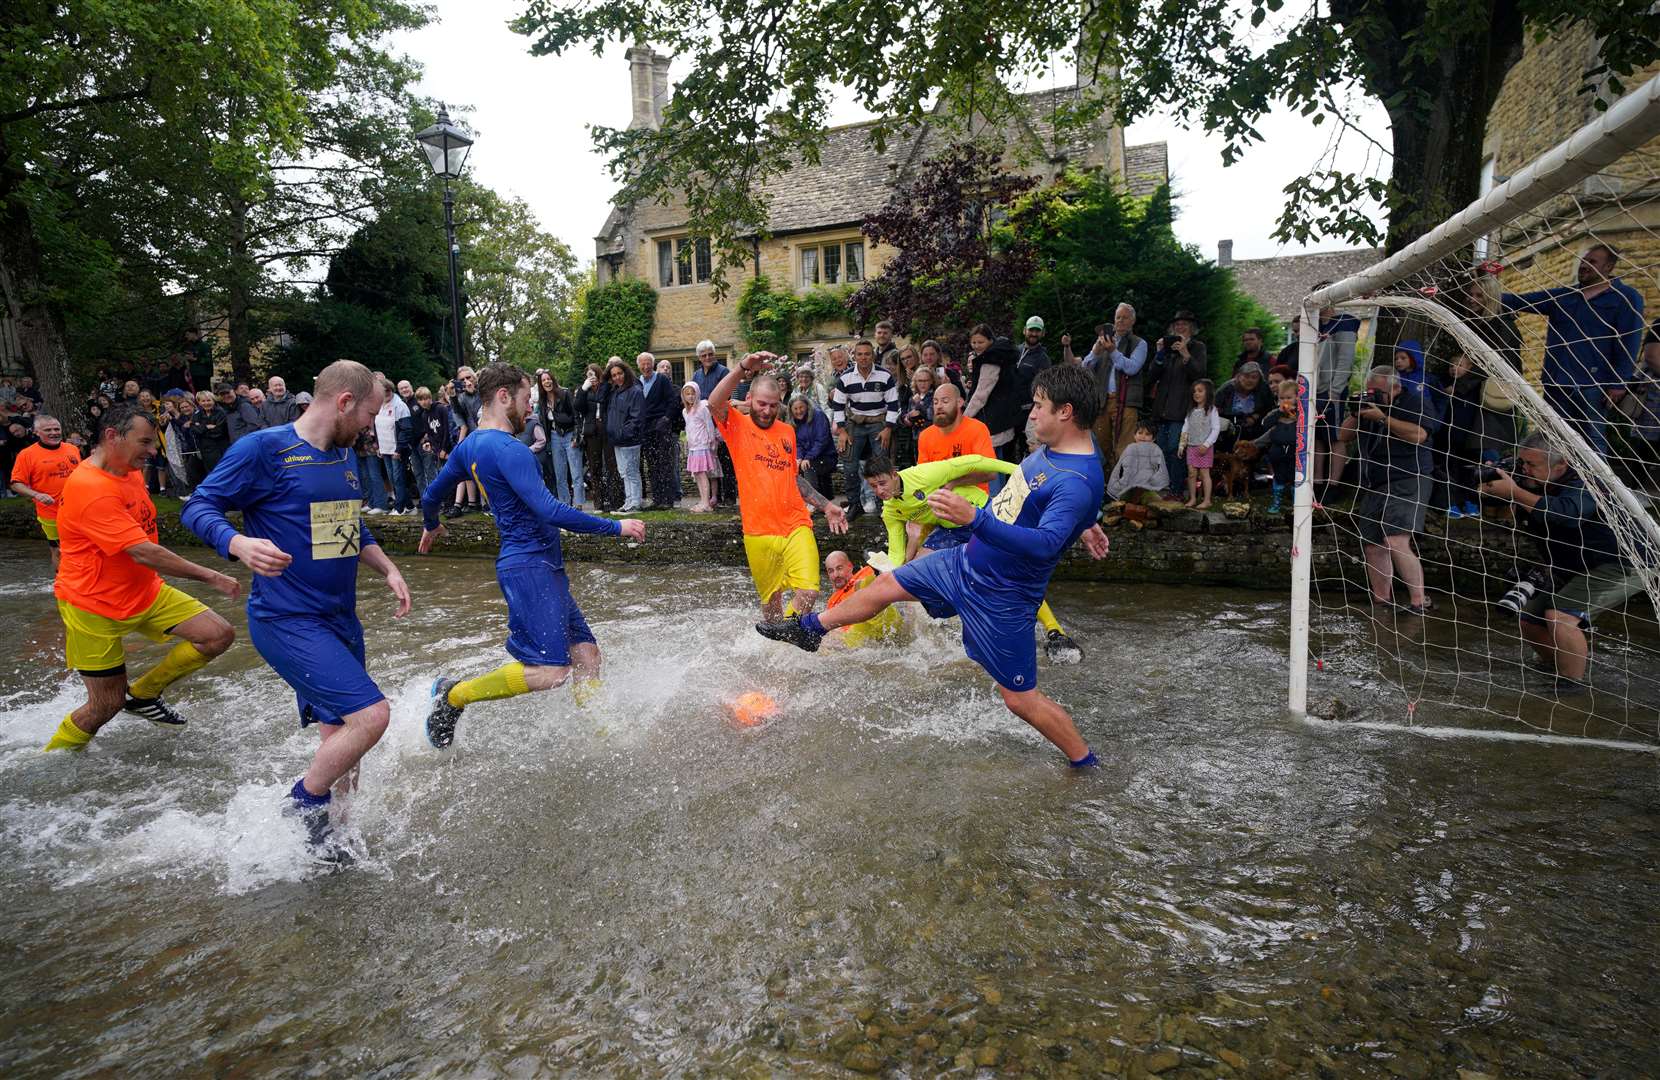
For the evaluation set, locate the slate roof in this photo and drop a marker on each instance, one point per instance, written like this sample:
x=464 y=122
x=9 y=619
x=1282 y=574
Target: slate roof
x=1280 y=283
x=850 y=180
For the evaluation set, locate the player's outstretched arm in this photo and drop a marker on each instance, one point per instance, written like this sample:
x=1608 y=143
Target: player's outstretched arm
x=520 y=471
x=1046 y=540
x=893 y=518
x=376 y=559
x=240 y=480
x=163 y=561
x=720 y=398
x=432 y=500
x=835 y=515
x=964 y=469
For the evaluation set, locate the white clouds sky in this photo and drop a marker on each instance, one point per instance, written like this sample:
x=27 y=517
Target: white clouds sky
x=531 y=115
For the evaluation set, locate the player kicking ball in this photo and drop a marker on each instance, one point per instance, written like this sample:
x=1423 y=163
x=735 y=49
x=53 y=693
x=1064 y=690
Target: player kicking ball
x=547 y=636
x=996 y=581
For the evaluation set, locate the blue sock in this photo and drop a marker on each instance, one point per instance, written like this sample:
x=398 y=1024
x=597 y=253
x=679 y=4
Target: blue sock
x=1086 y=762
x=305 y=798
x=810 y=621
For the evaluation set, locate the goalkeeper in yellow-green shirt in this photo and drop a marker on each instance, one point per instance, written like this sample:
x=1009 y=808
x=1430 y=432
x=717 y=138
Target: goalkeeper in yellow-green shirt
x=904 y=494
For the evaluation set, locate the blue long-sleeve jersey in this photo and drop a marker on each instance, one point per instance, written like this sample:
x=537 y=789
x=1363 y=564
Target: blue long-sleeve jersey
x=1019 y=537
x=1589 y=343
x=306 y=501
x=527 y=515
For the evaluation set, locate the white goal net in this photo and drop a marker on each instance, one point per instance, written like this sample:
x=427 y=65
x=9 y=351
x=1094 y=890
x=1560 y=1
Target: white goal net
x=1476 y=549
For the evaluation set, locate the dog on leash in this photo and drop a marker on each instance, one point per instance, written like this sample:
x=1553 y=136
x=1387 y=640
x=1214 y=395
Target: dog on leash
x=1232 y=470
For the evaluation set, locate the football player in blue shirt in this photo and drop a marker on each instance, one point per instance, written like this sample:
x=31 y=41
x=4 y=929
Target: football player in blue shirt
x=996 y=581
x=547 y=637
x=299 y=490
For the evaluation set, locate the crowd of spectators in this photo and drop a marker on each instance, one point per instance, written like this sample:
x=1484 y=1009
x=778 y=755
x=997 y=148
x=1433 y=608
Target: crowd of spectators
x=1428 y=432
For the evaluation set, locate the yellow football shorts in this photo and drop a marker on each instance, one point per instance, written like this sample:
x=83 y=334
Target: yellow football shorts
x=885 y=627
x=92 y=642
x=783 y=562
x=49 y=526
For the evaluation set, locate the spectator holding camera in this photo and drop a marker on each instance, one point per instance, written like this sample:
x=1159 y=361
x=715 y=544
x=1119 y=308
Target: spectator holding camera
x=1393 y=426
x=1117 y=360
x=1585 y=573
x=1181 y=360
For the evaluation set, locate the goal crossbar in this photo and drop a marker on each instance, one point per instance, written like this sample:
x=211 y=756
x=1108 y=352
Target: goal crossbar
x=1627 y=125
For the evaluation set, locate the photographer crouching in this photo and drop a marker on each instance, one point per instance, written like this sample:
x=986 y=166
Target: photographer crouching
x=1393 y=425
x=1583 y=574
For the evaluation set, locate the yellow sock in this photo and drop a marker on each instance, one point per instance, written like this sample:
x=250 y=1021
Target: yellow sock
x=1047 y=618
x=506 y=681
x=68 y=737
x=584 y=691
x=183 y=659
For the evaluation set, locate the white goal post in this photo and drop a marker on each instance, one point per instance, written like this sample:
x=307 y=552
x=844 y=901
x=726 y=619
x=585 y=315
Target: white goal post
x=1394 y=285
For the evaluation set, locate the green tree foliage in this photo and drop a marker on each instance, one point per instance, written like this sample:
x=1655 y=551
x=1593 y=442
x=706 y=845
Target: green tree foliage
x=397 y=264
x=77 y=83
x=1096 y=246
x=772 y=319
x=616 y=321
x=520 y=282
x=764 y=72
x=953 y=269
x=323 y=331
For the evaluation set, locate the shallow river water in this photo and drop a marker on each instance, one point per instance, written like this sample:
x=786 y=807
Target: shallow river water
x=891 y=876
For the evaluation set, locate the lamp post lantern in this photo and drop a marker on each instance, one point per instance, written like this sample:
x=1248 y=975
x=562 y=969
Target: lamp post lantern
x=446 y=147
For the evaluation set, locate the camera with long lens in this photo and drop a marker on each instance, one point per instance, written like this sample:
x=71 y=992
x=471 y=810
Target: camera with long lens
x=1528 y=582
x=1490 y=471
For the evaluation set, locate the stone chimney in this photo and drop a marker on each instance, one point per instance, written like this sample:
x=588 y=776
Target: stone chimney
x=659 y=86
x=642 y=91
x=1224 y=253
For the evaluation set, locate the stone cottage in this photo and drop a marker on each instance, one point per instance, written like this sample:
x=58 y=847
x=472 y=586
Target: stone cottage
x=815 y=211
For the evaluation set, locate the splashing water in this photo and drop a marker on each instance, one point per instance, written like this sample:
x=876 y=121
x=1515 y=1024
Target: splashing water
x=893 y=873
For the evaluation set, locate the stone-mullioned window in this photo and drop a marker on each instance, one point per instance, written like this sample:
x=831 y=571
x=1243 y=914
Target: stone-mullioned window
x=836 y=263
x=683 y=261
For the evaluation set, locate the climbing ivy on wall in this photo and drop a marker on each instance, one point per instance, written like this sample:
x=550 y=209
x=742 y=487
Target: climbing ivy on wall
x=771 y=319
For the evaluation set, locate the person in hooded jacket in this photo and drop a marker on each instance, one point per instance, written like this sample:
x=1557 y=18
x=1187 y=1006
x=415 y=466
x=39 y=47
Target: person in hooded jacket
x=1410 y=365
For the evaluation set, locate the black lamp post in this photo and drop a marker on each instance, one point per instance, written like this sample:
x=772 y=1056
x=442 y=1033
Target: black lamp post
x=446 y=148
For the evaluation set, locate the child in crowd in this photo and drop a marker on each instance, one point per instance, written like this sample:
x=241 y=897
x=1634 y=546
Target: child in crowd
x=1280 y=443
x=1198 y=441
x=701 y=460
x=1140 y=472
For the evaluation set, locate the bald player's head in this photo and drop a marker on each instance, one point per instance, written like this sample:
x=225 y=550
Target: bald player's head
x=948 y=404
x=348 y=394
x=838 y=568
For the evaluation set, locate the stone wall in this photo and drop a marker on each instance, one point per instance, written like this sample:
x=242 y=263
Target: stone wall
x=1182 y=548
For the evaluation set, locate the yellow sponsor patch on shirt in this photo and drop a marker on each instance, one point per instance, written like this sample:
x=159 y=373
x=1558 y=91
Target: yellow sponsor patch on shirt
x=1006 y=504
x=335 y=529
